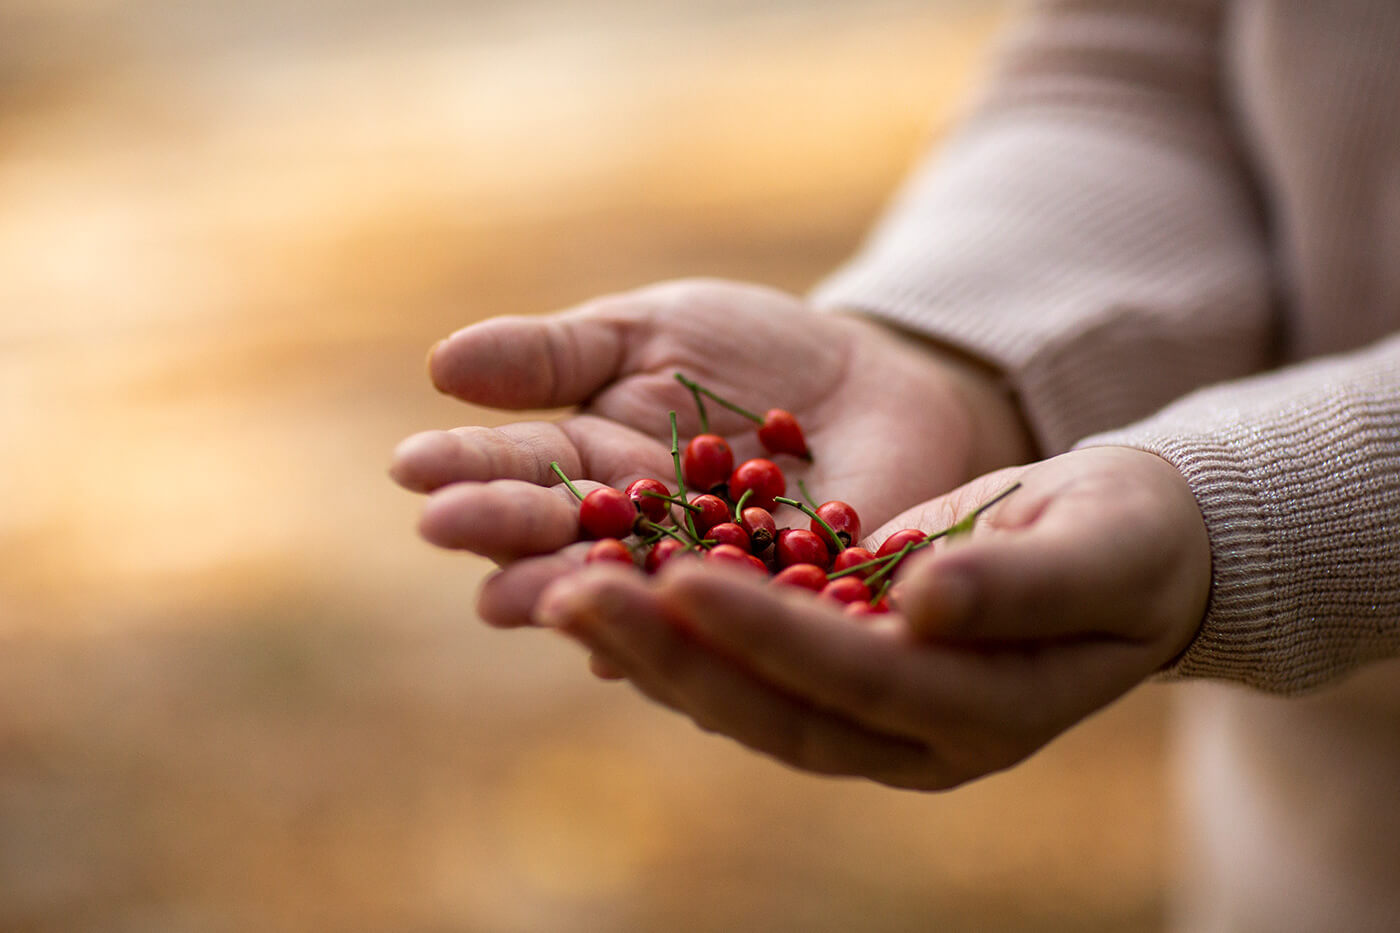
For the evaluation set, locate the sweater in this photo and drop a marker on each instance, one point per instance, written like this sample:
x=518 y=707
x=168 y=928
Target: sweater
x=1176 y=226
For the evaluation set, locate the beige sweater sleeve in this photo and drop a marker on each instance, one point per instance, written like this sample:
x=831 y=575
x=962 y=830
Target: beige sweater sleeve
x=1089 y=229
x=1297 y=474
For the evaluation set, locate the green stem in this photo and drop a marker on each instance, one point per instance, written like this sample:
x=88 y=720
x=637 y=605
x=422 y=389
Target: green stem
x=863 y=565
x=739 y=506
x=898 y=556
x=699 y=404
x=802 y=486
x=834 y=544
x=697 y=388
x=680 y=475
x=880 y=593
x=554 y=465
x=650 y=493
x=965 y=524
x=663 y=531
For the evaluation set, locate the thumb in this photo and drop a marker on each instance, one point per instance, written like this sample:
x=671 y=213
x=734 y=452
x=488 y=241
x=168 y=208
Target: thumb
x=549 y=361
x=1047 y=580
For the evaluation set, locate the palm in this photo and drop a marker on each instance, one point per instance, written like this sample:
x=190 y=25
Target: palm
x=886 y=427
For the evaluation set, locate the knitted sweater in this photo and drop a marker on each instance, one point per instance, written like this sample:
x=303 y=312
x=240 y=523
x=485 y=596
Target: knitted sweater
x=1176 y=226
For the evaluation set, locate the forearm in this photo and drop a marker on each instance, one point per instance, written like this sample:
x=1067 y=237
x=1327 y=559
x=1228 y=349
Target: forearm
x=1090 y=232
x=1296 y=476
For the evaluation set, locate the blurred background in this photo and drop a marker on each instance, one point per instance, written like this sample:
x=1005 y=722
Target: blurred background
x=236 y=691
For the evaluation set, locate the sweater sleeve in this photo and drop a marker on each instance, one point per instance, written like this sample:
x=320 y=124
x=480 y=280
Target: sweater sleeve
x=1297 y=474
x=1089 y=230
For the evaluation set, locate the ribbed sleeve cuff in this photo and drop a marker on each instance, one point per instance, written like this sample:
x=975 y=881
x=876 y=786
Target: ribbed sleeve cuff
x=1297 y=475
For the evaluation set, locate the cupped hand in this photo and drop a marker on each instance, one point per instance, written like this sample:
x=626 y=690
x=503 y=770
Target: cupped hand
x=891 y=419
x=1092 y=576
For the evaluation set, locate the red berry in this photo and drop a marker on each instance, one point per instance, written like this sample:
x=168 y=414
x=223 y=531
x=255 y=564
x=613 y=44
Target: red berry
x=846 y=590
x=863 y=608
x=807 y=576
x=713 y=511
x=650 y=506
x=763 y=477
x=730 y=533
x=661 y=552
x=760 y=526
x=706 y=461
x=606 y=513
x=843 y=520
x=850 y=557
x=896 y=542
x=800 y=546
x=781 y=434
x=729 y=554
x=609 y=550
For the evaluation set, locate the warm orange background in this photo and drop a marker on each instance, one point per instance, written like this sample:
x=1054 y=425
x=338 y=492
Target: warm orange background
x=236 y=692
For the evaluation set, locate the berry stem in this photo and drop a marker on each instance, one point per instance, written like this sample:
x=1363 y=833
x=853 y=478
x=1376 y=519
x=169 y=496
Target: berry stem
x=863 y=565
x=697 y=389
x=664 y=531
x=699 y=404
x=802 y=486
x=676 y=456
x=650 y=493
x=554 y=465
x=880 y=593
x=898 y=556
x=834 y=543
x=965 y=524
x=739 y=506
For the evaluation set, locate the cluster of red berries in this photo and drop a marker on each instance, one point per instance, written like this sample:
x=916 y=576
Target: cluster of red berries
x=729 y=517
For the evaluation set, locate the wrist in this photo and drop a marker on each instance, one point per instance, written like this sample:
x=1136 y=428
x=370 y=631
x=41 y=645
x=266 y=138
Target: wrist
x=1001 y=435
x=994 y=432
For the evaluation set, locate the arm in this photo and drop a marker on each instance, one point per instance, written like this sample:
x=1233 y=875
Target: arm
x=1295 y=475
x=1090 y=230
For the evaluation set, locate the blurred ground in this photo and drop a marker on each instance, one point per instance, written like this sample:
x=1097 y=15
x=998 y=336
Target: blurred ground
x=235 y=691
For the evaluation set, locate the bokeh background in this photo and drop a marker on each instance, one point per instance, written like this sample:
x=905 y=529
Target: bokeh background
x=236 y=691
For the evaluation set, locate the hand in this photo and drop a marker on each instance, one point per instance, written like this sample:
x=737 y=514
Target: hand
x=855 y=386
x=1088 y=579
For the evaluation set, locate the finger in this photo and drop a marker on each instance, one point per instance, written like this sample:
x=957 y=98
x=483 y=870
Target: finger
x=1053 y=579
x=630 y=626
x=585 y=447
x=503 y=520
x=539 y=362
x=813 y=650
x=508 y=596
x=604 y=669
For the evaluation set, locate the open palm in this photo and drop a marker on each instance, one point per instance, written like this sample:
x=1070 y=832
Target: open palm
x=891 y=420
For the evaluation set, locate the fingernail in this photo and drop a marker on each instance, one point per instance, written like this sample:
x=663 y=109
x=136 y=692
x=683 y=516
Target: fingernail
x=428 y=362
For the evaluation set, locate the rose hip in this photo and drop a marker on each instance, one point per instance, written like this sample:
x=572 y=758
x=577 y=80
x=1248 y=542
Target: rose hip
x=609 y=550
x=713 y=511
x=846 y=590
x=842 y=518
x=729 y=554
x=661 y=552
x=706 y=461
x=808 y=576
x=650 y=506
x=800 y=546
x=897 y=541
x=850 y=557
x=864 y=608
x=760 y=527
x=761 y=476
x=730 y=533
x=606 y=513
x=781 y=434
